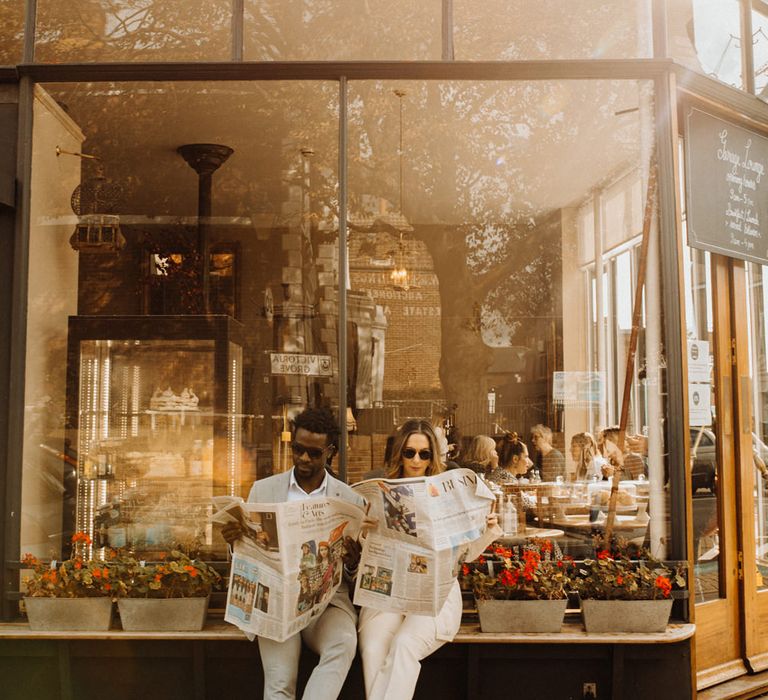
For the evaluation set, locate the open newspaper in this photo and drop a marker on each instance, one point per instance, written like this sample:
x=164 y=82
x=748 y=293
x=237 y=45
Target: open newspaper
x=428 y=526
x=288 y=565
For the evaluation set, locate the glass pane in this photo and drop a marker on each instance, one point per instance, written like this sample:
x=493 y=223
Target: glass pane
x=167 y=311
x=523 y=30
x=758 y=358
x=760 y=53
x=343 y=30
x=470 y=207
x=131 y=30
x=705 y=35
x=702 y=425
x=11 y=31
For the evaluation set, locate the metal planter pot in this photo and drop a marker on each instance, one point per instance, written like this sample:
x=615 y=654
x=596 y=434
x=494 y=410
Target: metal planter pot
x=521 y=615
x=626 y=615
x=69 y=614
x=163 y=614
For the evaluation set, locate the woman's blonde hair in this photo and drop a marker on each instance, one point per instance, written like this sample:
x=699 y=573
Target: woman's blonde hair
x=480 y=450
x=588 y=446
x=413 y=427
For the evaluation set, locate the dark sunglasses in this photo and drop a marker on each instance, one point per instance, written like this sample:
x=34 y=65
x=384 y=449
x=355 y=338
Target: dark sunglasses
x=313 y=452
x=410 y=453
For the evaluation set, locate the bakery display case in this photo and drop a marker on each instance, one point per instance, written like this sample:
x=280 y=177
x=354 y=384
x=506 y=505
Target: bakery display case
x=155 y=427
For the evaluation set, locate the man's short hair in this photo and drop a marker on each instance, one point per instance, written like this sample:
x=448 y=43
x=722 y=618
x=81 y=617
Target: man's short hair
x=543 y=431
x=320 y=421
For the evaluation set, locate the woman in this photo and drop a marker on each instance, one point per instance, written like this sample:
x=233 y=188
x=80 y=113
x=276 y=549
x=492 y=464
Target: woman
x=393 y=644
x=589 y=463
x=482 y=456
x=515 y=462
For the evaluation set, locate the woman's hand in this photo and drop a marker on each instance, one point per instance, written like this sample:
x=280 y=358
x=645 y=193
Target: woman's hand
x=368 y=524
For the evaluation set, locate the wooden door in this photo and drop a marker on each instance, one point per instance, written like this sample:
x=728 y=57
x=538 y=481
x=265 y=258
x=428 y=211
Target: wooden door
x=750 y=314
x=714 y=455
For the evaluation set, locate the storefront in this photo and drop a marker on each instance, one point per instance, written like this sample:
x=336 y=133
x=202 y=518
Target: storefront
x=226 y=212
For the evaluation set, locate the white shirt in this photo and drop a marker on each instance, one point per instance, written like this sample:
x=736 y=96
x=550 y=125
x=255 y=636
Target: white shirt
x=296 y=493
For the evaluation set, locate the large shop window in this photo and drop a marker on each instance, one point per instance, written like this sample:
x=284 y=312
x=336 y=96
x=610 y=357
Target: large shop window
x=478 y=216
x=520 y=30
x=133 y=30
x=183 y=274
x=11 y=31
x=343 y=30
x=706 y=36
x=183 y=299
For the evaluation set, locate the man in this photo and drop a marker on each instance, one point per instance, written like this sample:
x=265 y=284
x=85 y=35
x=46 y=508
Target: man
x=332 y=635
x=630 y=464
x=549 y=461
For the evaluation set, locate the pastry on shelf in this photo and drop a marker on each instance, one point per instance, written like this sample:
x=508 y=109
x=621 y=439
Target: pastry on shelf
x=169 y=401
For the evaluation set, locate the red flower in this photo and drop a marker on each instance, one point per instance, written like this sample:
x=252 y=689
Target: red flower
x=97 y=573
x=664 y=585
x=619 y=580
x=464 y=570
x=505 y=578
x=604 y=554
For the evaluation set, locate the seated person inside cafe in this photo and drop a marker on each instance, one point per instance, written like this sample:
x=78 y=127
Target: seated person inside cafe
x=481 y=456
x=585 y=454
x=630 y=464
x=514 y=462
x=549 y=461
x=393 y=644
x=331 y=635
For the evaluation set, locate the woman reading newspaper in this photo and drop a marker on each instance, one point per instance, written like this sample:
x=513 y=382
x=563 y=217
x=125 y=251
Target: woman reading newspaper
x=393 y=644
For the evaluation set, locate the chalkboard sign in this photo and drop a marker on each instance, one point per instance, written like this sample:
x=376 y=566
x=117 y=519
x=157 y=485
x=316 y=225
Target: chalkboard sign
x=727 y=188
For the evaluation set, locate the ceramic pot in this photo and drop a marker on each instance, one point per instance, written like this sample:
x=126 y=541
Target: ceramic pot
x=521 y=615
x=69 y=614
x=163 y=614
x=626 y=615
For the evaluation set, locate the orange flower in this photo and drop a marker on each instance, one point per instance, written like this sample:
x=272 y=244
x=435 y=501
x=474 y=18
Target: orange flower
x=619 y=580
x=97 y=573
x=29 y=560
x=158 y=577
x=105 y=572
x=664 y=585
x=78 y=564
x=464 y=570
x=107 y=587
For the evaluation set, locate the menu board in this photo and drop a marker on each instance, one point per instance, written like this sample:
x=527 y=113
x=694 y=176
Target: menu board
x=727 y=188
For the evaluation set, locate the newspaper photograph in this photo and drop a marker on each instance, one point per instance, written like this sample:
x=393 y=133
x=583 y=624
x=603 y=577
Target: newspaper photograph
x=288 y=565
x=428 y=526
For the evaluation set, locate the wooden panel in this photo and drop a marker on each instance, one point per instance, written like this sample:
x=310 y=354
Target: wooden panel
x=718 y=638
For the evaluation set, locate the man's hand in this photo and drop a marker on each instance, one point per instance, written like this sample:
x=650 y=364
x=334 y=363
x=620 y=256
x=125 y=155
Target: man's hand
x=351 y=556
x=232 y=532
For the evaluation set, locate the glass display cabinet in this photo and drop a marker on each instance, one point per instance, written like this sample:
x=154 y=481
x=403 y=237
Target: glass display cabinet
x=155 y=427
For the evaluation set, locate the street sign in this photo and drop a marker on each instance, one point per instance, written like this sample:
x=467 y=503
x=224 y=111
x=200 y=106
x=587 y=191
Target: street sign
x=301 y=364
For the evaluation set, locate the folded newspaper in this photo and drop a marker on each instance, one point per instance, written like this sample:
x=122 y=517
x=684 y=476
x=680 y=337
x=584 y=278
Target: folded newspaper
x=428 y=526
x=288 y=565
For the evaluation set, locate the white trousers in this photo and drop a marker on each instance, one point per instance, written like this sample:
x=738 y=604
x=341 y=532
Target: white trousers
x=393 y=644
x=332 y=636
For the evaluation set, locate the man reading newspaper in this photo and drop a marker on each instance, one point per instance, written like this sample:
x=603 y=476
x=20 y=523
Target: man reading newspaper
x=331 y=632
